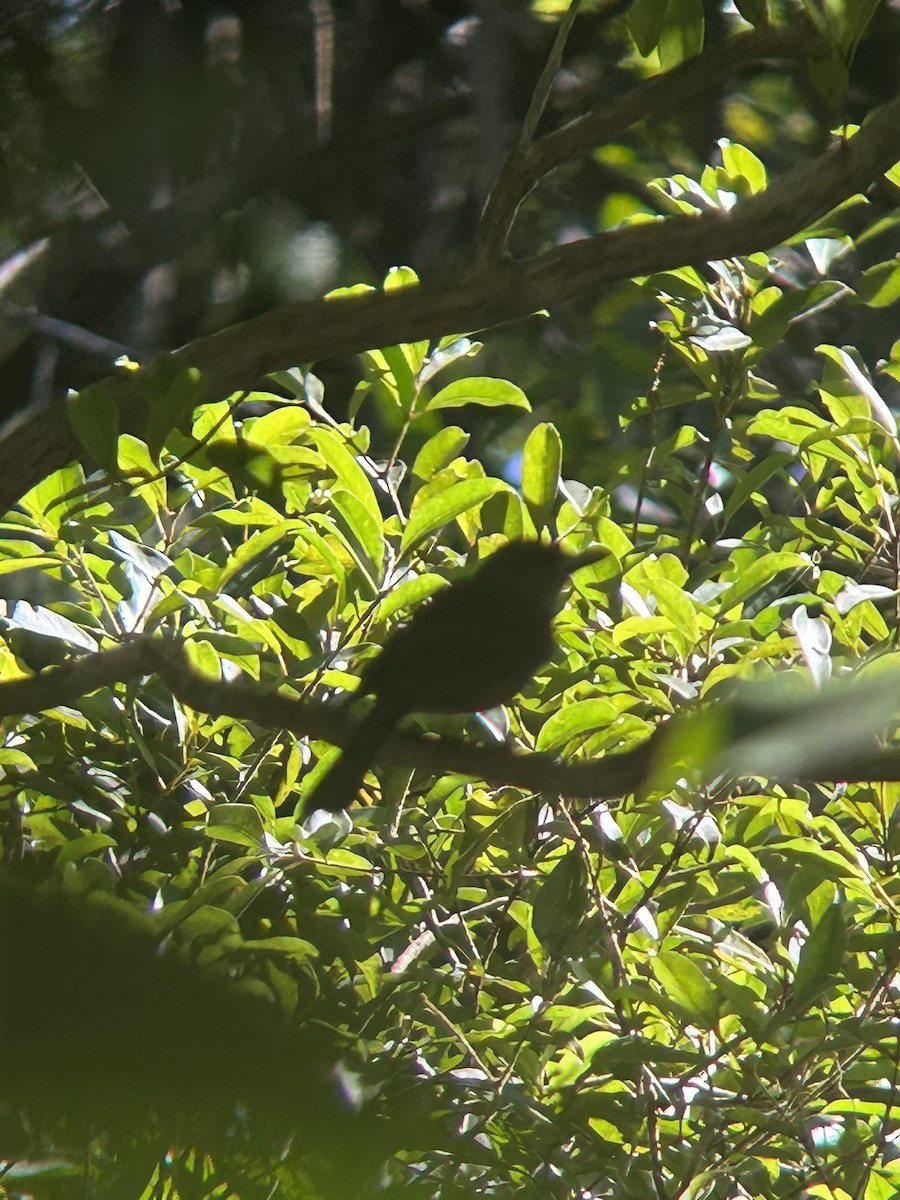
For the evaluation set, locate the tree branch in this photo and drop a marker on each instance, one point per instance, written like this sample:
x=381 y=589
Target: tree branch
x=545 y=83
x=37 y=443
x=530 y=161
x=606 y=778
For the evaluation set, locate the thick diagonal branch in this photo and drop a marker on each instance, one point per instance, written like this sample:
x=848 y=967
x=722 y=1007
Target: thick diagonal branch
x=482 y=296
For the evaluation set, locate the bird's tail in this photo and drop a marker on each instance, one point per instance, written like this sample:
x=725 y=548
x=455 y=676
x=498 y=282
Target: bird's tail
x=338 y=788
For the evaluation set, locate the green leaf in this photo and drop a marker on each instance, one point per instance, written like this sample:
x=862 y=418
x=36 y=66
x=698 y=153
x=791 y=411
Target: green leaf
x=559 y=904
x=744 y=169
x=50 y=501
x=285 y=426
x=394 y=369
x=769 y=323
x=210 y=925
x=858 y=17
x=879 y=286
x=346 y=469
x=574 y=1063
x=171 y=396
x=82 y=847
x=344 y=293
x=681 y=37
x=684 y=982
x=830 y=78
x=254 y=467
x=752 y=481
x=574 y=722
x=490 y=393
x=362 y=533
x=821 y=957
x=675 y=604
x=634 y=1050
x=203 y=658
x=645 y=22
x=136 y=464
x=761 y=572
x=400 y=277
x=437 y=511
x=789 y=424
x=250 y=510
x=842 y=22
x=292 y=947
x=257 y=544
x=409 y=594
x=17 y=562
x=541 y=463
x=238 y=824
x=94 y=415
x=439 y=451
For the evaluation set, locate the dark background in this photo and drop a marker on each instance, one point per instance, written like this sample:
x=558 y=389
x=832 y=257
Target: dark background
x=168 y=168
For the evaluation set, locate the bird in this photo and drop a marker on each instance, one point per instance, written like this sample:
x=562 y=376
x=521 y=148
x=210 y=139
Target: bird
x=472 y=647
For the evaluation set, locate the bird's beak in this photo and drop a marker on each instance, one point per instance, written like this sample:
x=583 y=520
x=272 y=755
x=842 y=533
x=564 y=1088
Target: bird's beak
x=574 y=562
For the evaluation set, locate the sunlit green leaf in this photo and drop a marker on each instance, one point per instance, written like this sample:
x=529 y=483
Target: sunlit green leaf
x=439 y=451
x=684 y=982
x=575 y=721
x=438 y=510
x=541 y=463
x=240 y=824
x=347 y=470
x=480 y=390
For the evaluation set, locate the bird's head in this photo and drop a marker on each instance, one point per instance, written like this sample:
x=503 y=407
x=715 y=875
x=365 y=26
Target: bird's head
x=538 y=569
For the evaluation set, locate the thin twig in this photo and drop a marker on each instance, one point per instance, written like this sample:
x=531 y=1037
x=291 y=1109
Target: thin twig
x=545 y=83
x=530 y=161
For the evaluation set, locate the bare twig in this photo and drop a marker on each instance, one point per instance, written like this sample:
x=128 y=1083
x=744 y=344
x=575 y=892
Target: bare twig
x=64 y=331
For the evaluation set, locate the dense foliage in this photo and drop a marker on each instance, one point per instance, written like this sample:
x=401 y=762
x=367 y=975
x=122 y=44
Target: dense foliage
x=634 y=935
x=684 y=991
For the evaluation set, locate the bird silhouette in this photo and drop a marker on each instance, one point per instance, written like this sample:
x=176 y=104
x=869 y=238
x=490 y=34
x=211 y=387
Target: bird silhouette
x=470 y=648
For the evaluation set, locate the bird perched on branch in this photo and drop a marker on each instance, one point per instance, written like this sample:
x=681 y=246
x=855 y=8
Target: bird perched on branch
x=472 y=647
